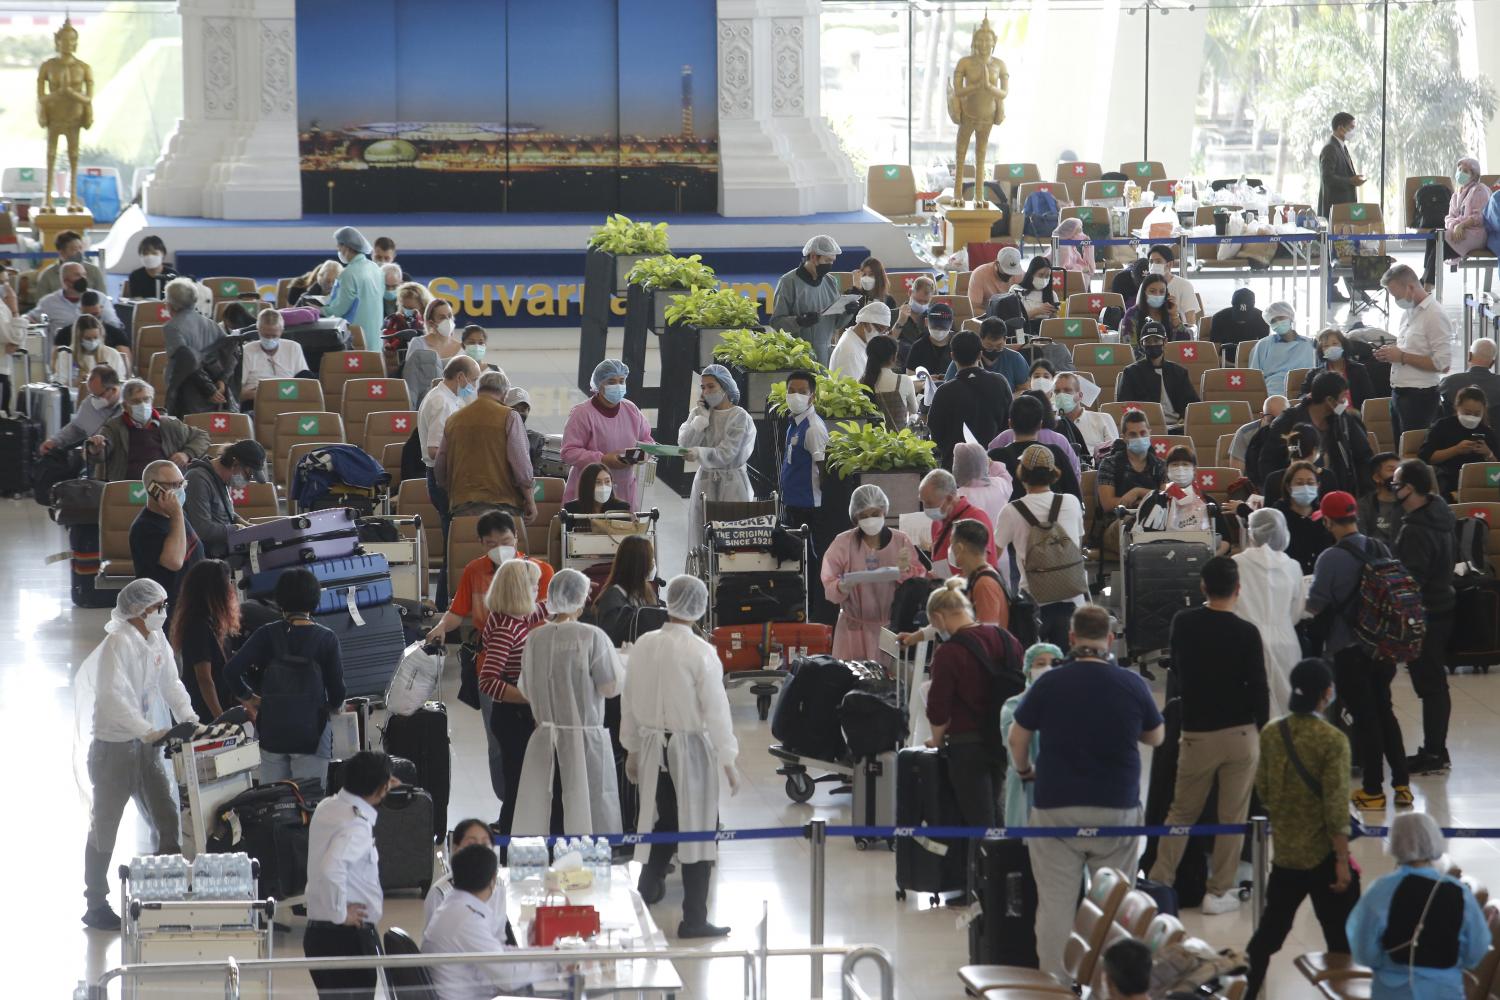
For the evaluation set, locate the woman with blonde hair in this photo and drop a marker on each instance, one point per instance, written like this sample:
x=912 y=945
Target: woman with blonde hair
x=86 y=350
x=514 y=614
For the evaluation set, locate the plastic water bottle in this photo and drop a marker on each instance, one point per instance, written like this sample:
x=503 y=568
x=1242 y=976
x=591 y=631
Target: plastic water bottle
x=81 y=992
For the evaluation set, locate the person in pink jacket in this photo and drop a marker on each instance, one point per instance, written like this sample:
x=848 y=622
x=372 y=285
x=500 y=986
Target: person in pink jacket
x=601 y=429
x=1463 y=228
x=865 y=605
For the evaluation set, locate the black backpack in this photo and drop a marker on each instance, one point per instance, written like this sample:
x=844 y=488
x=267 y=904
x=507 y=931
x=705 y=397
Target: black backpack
x=1471 y=540
x=293 y=703
x=1432 y=206
x=1006 y=675
x=628 y=622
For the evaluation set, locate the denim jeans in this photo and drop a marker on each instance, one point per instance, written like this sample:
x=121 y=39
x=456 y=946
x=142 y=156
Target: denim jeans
x=298 y=766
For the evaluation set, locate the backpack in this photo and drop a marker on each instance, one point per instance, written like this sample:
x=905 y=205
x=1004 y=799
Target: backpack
x=1389 y=621
x=1040 y=212
x=1472 y=540
x=1006 y=676
x=338 y=465
x=1055 y=570
x=1000 y=228
x=628 y=622
x=293 y=704
x=1431 y=202
x=1025 y=617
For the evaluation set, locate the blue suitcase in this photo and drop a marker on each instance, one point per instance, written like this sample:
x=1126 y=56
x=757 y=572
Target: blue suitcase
x=303 y=538
x=369 y=574
x=370 y=652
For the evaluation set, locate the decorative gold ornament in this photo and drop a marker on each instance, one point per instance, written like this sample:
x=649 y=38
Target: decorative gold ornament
x=64 y=105
x=976 y=103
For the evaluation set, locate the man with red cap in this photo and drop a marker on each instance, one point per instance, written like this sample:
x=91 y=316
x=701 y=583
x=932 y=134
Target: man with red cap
x=1363 y=683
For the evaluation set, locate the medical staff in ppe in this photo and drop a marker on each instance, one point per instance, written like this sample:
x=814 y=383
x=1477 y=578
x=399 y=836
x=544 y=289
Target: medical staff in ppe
x=721 y=436
x=606 y=428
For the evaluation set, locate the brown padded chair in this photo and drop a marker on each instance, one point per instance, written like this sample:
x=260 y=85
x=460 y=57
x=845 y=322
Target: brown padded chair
x=1163 y=930
x=222 y=428
x=296 y=426
x=1242 y=352
x=390 y=460
x=1409 y=199
x=1143 y=171
x=1294 y=382
x=1103 y=363
x=254 y=500
x=1075 y=174
x=1204 y=422
x=338 y=367
x=1375 y=413
x=1098 y=987
x=381 y=428
x=1155 y=416
x=148 y=312
x=1213 y=481
x=364 y=396
x=1222 y=456
x=464 y=545
x=1490 y=514
x=284 y=292
x=1073 y=329
x=1218 y=385
x=149 y=339
x=230 y=288
x=156 y=375
x=221 y=307
x=1091 y=304
x=891 y=190
x=1479 y=482
x=1196 y=356
x=118 y=507
x=1411 y=443
x=283 y=395
x=548 y=493
x=412 y=499
x=1162 y=444
x=1135 y=912
x=1104 y=191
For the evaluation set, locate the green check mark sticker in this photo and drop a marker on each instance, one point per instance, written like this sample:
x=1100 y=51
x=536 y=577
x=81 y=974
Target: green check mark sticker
x=1111 y=189
x=1492 y=475
x=227 y=288
x=1017 y=169
x=1143 y=168
x=893 y=172
x=138 y=494
x=287 y=390
x=1218 y=414
x=307 y=425
x=1072 y=328
x=1357 y=212
x=1104 y=355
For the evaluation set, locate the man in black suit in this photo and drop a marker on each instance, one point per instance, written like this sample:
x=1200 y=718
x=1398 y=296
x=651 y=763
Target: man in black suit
x=1339 y=178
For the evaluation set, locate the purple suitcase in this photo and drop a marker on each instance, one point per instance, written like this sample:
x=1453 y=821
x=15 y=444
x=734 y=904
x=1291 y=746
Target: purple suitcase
x=287 y=541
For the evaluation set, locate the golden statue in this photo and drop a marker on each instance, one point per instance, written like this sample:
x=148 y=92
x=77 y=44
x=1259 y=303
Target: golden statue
x=976 y=103
x=64 y=104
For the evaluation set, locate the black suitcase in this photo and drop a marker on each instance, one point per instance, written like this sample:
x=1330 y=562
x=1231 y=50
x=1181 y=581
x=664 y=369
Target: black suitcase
x=805 y=718
x=372 y=651
x=270 y=825
x=924 y=797
x=403 y=837
x=1004 y=932
x=402 y=770
x=83 y=545
x=872 y=723
x=1191 y=879
x=753 y=598
x=1161 y=578
x=19 y=437
x=1476 y=625
x=422 y=738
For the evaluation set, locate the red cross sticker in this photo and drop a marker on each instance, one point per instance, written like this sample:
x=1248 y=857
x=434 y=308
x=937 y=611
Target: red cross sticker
x=377 y=389
x=354 y=362
x=1078 y=169
x=1160 y=447
x=163 y=313
x=219 y=423
x=1058 y=278
x=239 y=494
x=1483 y=515
x=1189 y=352
x=1236 y=380
x=1095 y=303
x=1206 y=480
x=398 y=423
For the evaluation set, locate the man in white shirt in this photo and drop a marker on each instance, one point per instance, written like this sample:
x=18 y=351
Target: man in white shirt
x=464 y=923
x=1160 y=261
x=344 y=901
x=460 y=383
x=62 y=306
x=848 y=359
x=1421 y=355
x=270 y=357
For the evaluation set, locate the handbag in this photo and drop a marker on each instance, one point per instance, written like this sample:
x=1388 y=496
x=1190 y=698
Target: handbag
x=1356 y=828
x=555 y=921
x=76 y=502
x=468 y=671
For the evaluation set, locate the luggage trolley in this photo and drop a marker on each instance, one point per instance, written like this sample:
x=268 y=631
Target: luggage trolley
x=590 y=540
x=1159 y=576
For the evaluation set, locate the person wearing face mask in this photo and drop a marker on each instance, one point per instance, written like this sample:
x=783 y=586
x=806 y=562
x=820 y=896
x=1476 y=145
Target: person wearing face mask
x=270 y=356
x=1463 y=226
x=893 y=390
x=596 y=495
x=606 y=428
x=1421 y=354
x=1127 y=475
x=1154 y=379
x=994 y=356
x=942 y=504
x=476 y=344
x=848 y=359
x=804 y=294
x=1037 y=472
x=70 y=250
x=1281 y=350
x=1039 y=658
x=359 y=295
x=933 y=350
x=163 y=546
x=484 y=460
x=1299 y=505
x=98 y=404
x=1036 y=293
x=1161 y=260
x=210 y=503
x=1480 y=373
x=1071 y=258
x=1237 y=323
x=721 y=438
x=1338 y=178
x=1029 y=415
x=141 y=434
x=1462 y=437
x=800 y=479
x=871 y=285
x=1249 y=441
x=1178 y=505
x=910 y=324
x=87 y=351
x=1380 y=513
x=497 y=533
x=1342 y=441
x=148 y=280
x=1271 y=599
x=1288 y=444
x=426 y=355
x=63 y=305
x=392 y=275
x=869 y=546
x=1153 y=304
x=519 y=399
x=125 y=696
x=1333 y=356
x=1094 y=429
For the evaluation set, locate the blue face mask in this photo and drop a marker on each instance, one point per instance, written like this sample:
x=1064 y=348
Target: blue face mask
x=1156 y=301
x=269 y=344
x=390 y=295
x=1333 y=353
x=467 y=392
x=613 y=393
x=1138 y=446
x=1305 y=495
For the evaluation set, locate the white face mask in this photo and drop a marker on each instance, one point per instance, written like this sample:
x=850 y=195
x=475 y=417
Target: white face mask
x=1039 y=282
x=798 y=402
x=89 y=344
x=151 y=260
x=867 y=281
x=871 y=525
x=140 y=412
x=1158 y=268
x=1470 y=421
x=935 y=513
x=156 y=619
x=445 y=327
x=502 y=553
x=1340 y=407
x=1042 y=384
x=939 y=335
x=1182 y=475
x=602 y=492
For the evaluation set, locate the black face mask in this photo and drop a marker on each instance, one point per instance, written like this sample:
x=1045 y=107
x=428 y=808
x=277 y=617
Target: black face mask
x=81 y=285
x=821 y=270
x=1153 y=351
x=991 y=355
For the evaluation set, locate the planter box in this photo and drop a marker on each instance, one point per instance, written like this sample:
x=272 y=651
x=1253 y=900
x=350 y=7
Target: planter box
x=755 y=387
x=900 y=485
x=622 y=265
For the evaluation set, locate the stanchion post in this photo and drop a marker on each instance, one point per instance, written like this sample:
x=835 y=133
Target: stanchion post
x=817 y=835
x=1260 y=828
x=1325 y=274
x=231 y=979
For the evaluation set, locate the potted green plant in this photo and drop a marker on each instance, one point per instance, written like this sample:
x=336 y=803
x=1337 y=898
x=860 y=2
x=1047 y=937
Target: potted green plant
x=760 y=359
x=838 y=398
x=667 y=276
x=625 y=242
x=712 y=312
x=858 y=454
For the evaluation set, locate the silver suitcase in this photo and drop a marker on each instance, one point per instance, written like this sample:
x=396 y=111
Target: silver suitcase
x=551 y=463
x=873 y=802
x=43 y=401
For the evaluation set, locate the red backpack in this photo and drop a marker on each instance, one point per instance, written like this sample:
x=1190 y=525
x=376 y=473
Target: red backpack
x=1390 y=622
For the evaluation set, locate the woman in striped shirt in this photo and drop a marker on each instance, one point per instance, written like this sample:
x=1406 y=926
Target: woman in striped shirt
x=514 y=613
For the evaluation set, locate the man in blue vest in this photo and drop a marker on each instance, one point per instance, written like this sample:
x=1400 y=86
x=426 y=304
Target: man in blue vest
x=800 y=480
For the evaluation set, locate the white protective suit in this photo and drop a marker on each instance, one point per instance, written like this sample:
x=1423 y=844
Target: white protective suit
x=567 y=670
x=676 y=688
x=1271 y=599
x=724 y=440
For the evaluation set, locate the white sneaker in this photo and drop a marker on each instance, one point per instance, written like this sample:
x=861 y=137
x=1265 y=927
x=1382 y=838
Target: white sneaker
x=1227 y=903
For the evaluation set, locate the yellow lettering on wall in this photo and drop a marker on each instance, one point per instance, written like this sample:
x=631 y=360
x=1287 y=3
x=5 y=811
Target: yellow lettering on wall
x=472 y=310
x=565 y=298
x=617 y=305
x=444 y=288
x=510 y=299
x=758 y=290
x=539 y=300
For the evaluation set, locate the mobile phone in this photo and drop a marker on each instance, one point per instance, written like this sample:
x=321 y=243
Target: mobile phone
x=156 y=491
x=634 y=456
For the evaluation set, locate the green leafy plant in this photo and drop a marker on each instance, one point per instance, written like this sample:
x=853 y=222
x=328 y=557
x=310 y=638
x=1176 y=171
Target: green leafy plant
x=713 y=308
x=666 y=272
x=771 y=351
x=619 y=235
x=854 y=448
x=839 y=398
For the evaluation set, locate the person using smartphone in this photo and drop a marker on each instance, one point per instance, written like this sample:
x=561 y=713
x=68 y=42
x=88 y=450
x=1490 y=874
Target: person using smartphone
x=1464 y=436
x=163 y=546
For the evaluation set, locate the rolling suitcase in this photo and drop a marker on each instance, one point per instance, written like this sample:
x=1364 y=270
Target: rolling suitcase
x=303 y=538
x=752 y=647
x=753 y=598
x=1476 y=625
x=873 y=802
x=403 y=838
x=83 y=546
x=924 y=797
x=873 y=723
x=372 y=651
x=1161 y=579
x=370 y=575
x=49 y=404
x=19 y=437
x=806 y=715
x=422 y=738
x=1004 y=932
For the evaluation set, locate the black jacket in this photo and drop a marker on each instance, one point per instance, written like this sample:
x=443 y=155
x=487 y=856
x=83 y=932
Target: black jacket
x=1140 y=383
x=1446 y=433
x=1488 y=382
x=1425 y=547
x=974 y=397
x=1010 y=457
x=1346 y=449
x=1232 y=327
x=1358 y=377
x=1336 y=167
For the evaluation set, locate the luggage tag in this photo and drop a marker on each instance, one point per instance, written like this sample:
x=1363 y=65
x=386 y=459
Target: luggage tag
x=57 y=557
x=255 y=557
x=353 y=604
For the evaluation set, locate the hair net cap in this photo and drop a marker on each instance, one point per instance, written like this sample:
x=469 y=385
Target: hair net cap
x=1268 y=529
x=971 y=463
x=137 y=596
x=876 y=312
x=608 y=368
x=1039 y=649
x=568 y=592
x=1416 y=836
x=822 y=246
x=1280 y=310
x=687 y=598
x=348 y=236
x=867 y=496
x=721 y=375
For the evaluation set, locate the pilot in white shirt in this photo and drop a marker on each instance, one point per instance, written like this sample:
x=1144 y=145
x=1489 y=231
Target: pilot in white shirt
x=344 y=901
x=466 y=833
x=463 y=924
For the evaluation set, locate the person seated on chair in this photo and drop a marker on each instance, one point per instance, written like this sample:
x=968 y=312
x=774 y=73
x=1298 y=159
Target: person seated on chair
x=1480 y=372
x=1038 y=299
x=467 y=833
x=1028 y=416
x=1463 y=226
x=497 y=533
x=910 y=323
x=1342 y=436
x=1071 y=258
x=1287 y=445
x=1464 y=436
x=596 y=495
x=934 y=349
x=98 y=305
x=1281 y=350
x=464 y=922
x=1237 y=323
x=871 y=285
x=210 y=505
x=85 y=351
x=127 y=443
x=70 y=247
x=148 y=280
x=97 y=405
x=237 y=318
x=270 y=357
x=1094 y=429
x=1333 y=356
x=62 y=306
x=995 y=278
x=1153 y=303
x=1248 y=441
x=1127 y=970
x=1154 y=379
x=1162 y=259
x=1127 y=283
x=1179 y=505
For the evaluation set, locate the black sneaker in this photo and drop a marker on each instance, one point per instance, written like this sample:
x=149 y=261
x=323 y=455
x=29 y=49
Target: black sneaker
x=102 y=918
x=651 y=889
x=1425 y=762
x=703 y=930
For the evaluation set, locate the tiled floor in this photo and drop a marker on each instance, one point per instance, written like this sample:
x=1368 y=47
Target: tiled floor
x=45 y=638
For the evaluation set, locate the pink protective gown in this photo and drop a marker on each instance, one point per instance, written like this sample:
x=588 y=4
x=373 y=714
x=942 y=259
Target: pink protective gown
x=591 y=433
x=866 y=608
